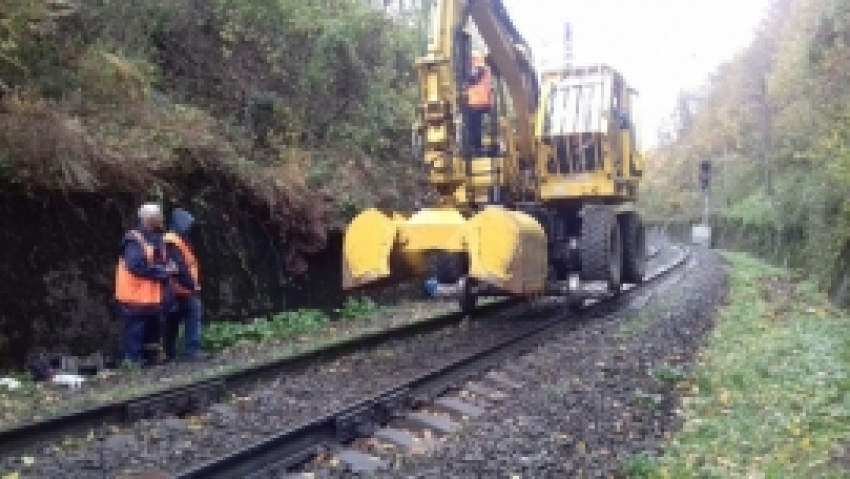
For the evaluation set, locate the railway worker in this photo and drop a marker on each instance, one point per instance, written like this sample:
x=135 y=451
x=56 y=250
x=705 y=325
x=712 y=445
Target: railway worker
x=479 y=100
x=141 y=284
x=187 y=308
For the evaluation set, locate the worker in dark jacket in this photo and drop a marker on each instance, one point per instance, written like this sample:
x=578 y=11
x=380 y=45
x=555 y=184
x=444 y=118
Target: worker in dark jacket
x=142 y=292
x=188 y=307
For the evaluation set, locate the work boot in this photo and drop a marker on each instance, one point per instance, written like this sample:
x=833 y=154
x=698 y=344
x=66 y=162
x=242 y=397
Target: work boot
x=152 y=355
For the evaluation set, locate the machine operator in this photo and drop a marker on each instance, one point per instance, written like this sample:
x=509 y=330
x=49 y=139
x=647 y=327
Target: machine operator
x=479 y=100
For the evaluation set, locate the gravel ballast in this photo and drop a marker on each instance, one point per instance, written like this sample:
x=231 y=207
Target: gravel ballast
x=174 y=444
x=590 y=398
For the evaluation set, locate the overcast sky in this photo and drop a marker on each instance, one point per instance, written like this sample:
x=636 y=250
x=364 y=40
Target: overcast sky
x=661 y=46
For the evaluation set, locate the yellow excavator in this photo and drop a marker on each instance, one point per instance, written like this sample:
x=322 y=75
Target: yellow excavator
x=539 y=201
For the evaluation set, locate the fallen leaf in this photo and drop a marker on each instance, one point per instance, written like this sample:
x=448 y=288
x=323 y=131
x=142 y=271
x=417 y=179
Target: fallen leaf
x=12 y=475
x=724 y=397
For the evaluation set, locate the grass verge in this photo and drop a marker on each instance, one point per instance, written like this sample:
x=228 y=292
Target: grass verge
x=770 y=396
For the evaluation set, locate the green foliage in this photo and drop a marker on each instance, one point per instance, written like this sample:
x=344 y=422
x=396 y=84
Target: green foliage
x=357 y=308
x=668 y=376
x=775 y=121
x=639 y=466
x=752 y=210
x=336 y=71
x=285 y=325
x=222 y=335
x=266 y=81
x=23 y=25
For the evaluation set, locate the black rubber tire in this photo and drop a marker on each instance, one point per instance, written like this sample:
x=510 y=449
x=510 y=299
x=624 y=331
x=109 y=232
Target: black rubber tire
x=446 y=267
x=634 y=247
x=600 y=247
x=467 y=301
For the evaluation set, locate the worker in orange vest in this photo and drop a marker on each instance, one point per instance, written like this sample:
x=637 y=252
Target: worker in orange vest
x=141 y=283
x=188 y=308
x=479 y=100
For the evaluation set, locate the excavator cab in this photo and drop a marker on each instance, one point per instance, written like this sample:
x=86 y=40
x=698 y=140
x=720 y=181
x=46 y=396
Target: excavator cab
x=587 y=131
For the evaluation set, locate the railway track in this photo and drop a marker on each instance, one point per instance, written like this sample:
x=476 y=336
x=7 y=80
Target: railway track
x=275 y=456
x=188 y=399
x=198 y=395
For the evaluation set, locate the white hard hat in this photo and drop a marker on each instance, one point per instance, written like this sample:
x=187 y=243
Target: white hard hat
x=150 y=210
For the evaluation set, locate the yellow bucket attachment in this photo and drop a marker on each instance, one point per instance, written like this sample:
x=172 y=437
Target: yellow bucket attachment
x=506 y=249
x=367 y=246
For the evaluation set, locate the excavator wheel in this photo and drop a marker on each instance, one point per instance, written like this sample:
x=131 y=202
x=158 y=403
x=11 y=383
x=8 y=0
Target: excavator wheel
x=600 y=247
x=634 y=248
x=467 y=300
x=446 y=267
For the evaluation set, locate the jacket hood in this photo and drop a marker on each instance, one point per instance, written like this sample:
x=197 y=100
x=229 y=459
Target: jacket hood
x=181 y=221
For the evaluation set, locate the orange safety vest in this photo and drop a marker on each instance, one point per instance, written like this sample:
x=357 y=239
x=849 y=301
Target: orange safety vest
x=188 y=257
x=480 y=95
x=135 y=290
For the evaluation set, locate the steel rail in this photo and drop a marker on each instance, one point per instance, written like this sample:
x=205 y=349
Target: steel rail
x=278 y=453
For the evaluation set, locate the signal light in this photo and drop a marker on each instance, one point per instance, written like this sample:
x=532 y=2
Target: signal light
x=704 y=175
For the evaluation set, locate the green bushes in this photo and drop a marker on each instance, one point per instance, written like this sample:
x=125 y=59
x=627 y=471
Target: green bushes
x=218 y=336
x=357 y=308
x=276 y=78
x=775 y=122
x=289 y=324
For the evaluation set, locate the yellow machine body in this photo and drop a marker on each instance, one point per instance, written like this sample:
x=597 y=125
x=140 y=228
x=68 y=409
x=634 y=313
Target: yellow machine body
x=580 y=106
x=551 y=192
x=506 y=249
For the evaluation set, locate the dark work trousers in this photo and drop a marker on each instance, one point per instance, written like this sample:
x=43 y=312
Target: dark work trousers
x=475 y=119
x=152 y=340
x=189 y=311
x=138 y=331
